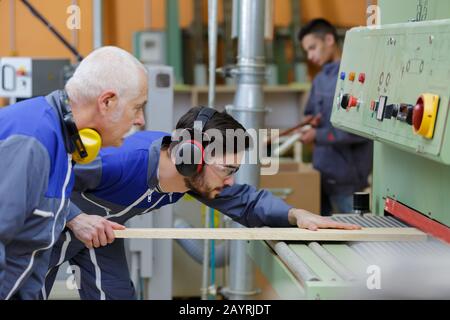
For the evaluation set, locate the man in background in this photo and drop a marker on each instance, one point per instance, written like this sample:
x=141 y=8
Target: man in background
x=343 y=159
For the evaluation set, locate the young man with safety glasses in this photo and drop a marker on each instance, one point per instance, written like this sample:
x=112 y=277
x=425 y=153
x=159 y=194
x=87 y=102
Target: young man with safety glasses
x=154 y=169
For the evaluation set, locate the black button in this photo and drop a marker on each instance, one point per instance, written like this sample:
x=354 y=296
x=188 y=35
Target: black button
x=361 y=202
x=345 y=101
x=405 y=113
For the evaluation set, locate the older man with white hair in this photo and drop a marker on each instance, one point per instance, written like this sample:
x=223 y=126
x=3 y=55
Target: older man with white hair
x=40 y=139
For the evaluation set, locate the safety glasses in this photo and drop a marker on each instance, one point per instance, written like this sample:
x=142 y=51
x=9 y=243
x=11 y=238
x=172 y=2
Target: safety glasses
x=224 y=171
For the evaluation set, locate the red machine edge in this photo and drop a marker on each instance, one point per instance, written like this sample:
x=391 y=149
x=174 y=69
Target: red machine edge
x=417 y=220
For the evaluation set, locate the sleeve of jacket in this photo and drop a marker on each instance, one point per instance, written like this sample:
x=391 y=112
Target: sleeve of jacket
x=250 y=207
x=87 y=177
x=332 y=136
x=25 y=167
x=310 y=104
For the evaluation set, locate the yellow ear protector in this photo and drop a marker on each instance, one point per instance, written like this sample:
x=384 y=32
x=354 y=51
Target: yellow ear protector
x=194 y=148
x=85 y=144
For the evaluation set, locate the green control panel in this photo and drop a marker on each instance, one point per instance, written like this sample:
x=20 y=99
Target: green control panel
x=394 y=87
x=395 y=11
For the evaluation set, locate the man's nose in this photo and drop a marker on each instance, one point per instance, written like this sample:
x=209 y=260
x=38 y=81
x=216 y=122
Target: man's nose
x=140 y=120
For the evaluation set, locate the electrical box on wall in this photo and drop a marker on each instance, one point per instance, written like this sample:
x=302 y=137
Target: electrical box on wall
x=30 y=77
x=150 y=47
x=159 y=108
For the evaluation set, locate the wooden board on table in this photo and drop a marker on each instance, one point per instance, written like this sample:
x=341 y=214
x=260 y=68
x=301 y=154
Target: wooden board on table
x=286 y=234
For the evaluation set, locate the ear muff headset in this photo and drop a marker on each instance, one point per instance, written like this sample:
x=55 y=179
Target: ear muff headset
x=194 y=148
x=85 y=144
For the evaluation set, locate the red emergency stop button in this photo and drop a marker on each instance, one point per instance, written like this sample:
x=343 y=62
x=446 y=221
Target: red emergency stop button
x=418 y=114
x=425 y=115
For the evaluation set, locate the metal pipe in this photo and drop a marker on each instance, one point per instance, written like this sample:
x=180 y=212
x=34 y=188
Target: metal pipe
x=193 y=247
x=249 y=110
x=75 y=30
x=300 y=269
x=12 y=27
x=272 y=68
x=147 y=14
x=212 y=37
x=200 y=70
x=212 y=44
x=205 y=265
x=332 y=262
x=213 y=256
x=285 y=146
x=97 y=6
x=228 y=43
x=300 y=66
x=235 y=19
x=268 y=30
x=134 y=272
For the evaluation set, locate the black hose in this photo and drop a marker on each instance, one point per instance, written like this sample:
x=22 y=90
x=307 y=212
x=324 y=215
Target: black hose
x=40 y=17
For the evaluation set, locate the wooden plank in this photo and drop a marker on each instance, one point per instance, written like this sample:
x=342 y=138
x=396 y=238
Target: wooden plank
x=292 y=88
x=288 y=234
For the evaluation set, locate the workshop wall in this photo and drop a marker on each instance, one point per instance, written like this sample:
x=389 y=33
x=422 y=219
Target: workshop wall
x=31 y=37
x=122 y=18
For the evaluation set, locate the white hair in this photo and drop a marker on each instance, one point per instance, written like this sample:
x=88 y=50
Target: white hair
x=107 y=68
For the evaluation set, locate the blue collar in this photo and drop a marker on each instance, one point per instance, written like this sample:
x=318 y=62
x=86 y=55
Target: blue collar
x=53 y=99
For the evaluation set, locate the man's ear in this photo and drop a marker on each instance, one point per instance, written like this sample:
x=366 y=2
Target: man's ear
x=329 y=40
x=107 y=101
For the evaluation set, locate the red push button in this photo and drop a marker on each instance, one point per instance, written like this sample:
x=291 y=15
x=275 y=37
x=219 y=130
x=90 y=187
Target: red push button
x=349 y=101
x=373 y=105
x=362 y=78
x=353 y=102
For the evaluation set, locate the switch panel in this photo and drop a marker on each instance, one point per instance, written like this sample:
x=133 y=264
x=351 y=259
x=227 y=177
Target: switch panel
x=29 y=77
x=402 y=98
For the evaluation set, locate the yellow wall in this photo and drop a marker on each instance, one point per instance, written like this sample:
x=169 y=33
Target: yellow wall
x=343 y=13
x=123 y=17
x=33 y=39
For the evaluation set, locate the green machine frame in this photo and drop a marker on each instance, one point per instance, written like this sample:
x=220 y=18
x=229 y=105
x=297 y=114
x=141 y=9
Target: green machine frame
x=385 y=70
x=399 y=63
